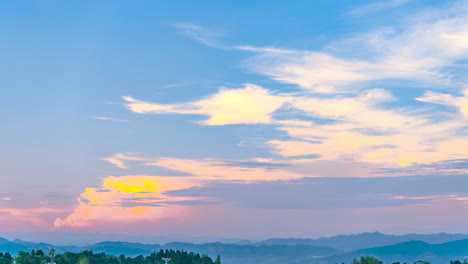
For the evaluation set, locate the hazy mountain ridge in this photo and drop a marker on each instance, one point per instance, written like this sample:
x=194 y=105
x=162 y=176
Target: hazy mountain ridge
x=231 y=253
x=409 y=251
x=293 y=251
x=364 y=240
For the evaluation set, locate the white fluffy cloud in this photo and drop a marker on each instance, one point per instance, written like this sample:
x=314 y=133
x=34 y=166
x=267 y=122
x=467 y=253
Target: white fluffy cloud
x=251 y=104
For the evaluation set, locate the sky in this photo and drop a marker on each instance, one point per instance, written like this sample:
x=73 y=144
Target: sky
x=234 y=119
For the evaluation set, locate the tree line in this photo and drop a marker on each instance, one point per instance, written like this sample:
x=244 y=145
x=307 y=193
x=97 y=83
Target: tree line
x=90 y=257
x=160 y=257
x=373 y=260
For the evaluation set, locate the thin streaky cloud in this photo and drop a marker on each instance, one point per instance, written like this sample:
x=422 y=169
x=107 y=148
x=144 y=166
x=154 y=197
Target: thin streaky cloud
x=425 y=53
x=377 y=7
x=175 y=85
x=109 y=118
x=201 y=34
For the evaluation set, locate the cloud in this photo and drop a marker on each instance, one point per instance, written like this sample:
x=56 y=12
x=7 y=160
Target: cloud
x=334 y=193
x=251 y=104
x=120 y=160
x=426 y=144
x=377 y=6
x=253 y=184
x=109 y=118
x=461 y=103
x=29 y=219
x=314 y=71
x=129 y=198
x=361 y=128
x=424 y=52
x=134 y=198
x=337 y=114
x=263 y=185
x=336 y=128
x=351 y=120
x=459 y=166
x=215 y=169
x=201 y=34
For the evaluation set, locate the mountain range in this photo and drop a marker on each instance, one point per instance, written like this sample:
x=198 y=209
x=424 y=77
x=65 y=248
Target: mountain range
x=409 y=251
x=364 y=240
x=342 y=248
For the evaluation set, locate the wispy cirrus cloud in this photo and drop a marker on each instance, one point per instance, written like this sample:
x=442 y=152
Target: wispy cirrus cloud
x=377 y=7
x=445 y=167
x=353 y=120
x=458 y=102
x=201 y=34
x=334 y=193
x=109 y=118
x=424 y=52
x=255 y=169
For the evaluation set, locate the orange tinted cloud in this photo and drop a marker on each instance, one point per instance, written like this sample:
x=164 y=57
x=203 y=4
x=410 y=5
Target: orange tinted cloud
x=127 y=199
x=459 y=102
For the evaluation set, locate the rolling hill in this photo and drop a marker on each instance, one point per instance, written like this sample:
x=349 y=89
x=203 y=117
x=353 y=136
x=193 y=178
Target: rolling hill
x=364 y=240
x=409 y=252
x=292 y=251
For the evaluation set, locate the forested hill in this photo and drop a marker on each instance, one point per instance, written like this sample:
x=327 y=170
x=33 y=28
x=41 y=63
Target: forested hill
x=294 y=252
x=230 y=253
x=408 y=252
x=88 y=257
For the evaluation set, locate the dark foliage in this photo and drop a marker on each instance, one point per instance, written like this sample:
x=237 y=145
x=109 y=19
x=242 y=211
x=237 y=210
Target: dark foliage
x=89 y=257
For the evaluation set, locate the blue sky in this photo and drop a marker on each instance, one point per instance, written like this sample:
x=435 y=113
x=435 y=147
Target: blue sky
x=161 y=113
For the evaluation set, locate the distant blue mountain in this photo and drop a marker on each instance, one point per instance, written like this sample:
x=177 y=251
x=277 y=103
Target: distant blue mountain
x=436 y=248
x=363 y=240
x=408 y=252
x=3 y=240
x=231 y=253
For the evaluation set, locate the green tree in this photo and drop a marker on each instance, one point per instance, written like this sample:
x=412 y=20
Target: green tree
x=217 y=260
x=367 y=260
x=83 y=260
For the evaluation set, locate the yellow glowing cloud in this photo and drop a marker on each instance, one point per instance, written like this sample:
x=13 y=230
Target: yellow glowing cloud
x=251 y=104
x=135 y=185
x=128 y=198
x=144 y=198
